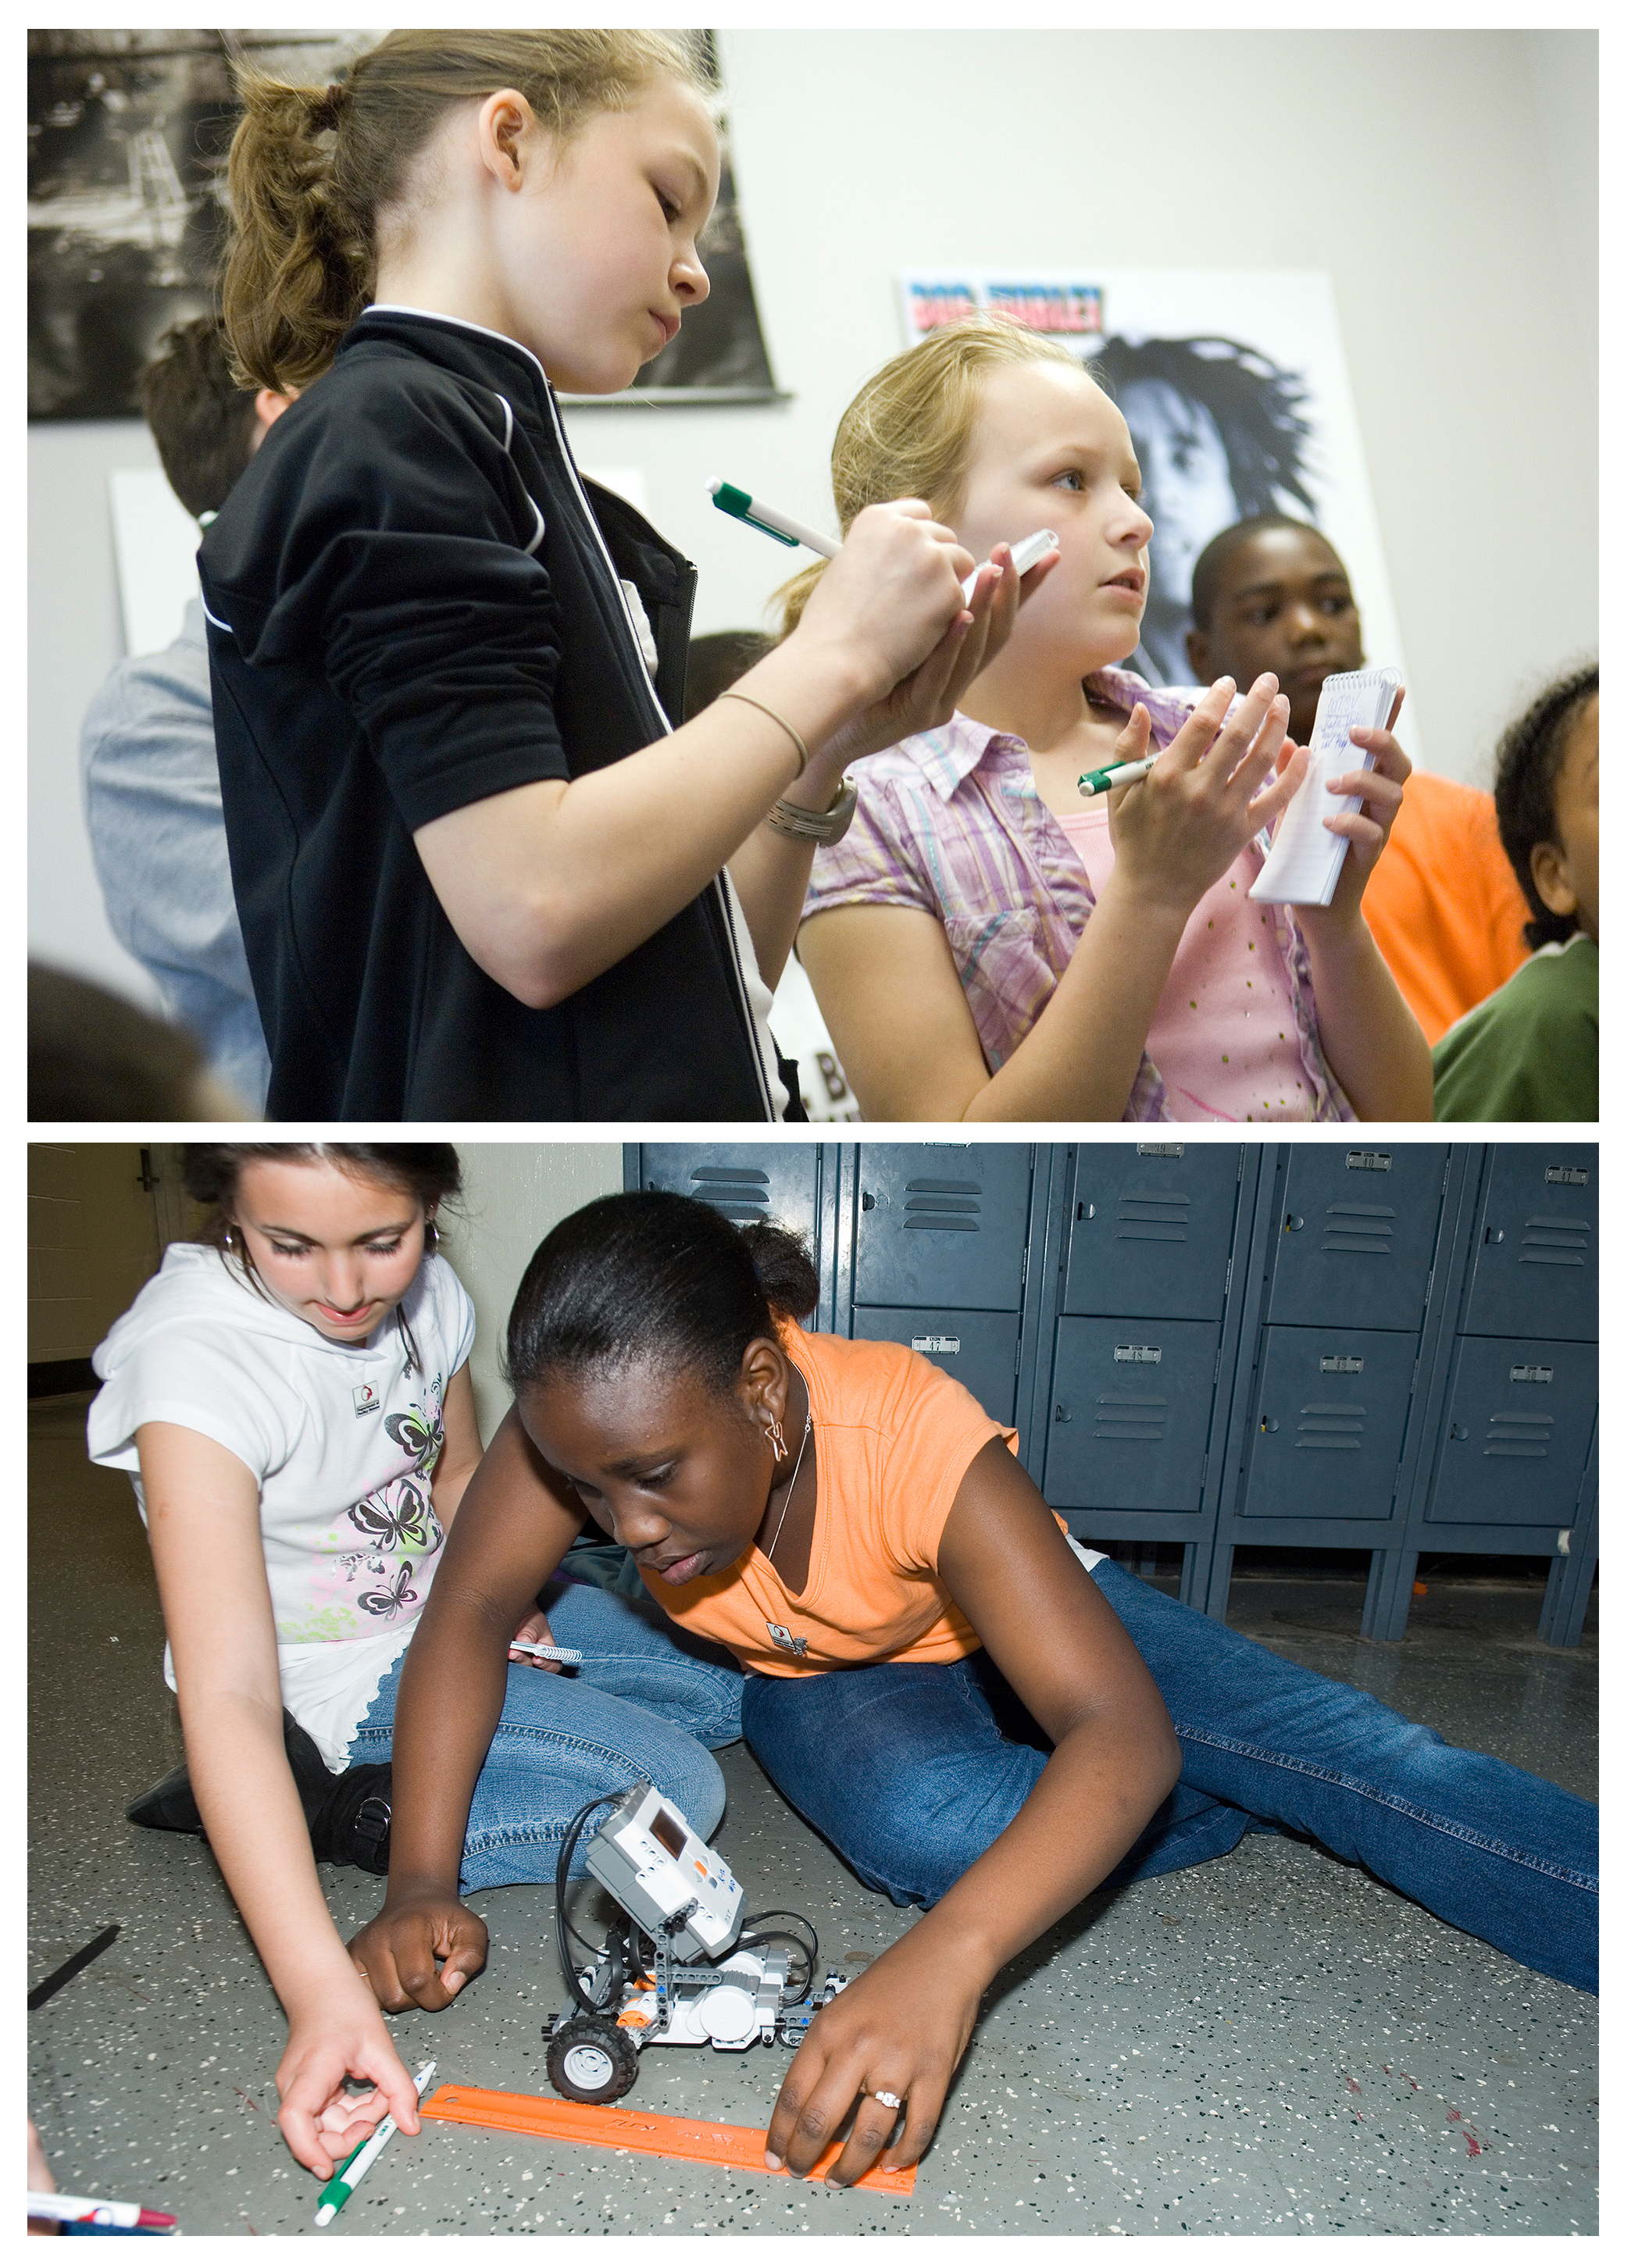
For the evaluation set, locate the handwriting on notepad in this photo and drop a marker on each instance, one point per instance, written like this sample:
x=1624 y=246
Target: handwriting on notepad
x=1302 y=867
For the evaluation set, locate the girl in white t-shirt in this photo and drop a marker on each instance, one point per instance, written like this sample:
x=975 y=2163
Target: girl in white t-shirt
x=291 y=1398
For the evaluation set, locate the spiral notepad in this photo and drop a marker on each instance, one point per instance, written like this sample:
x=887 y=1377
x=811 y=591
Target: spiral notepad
x=1302 y=867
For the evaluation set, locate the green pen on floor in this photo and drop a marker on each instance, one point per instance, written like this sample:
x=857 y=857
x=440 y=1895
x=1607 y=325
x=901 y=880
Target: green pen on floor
x=345 y=2178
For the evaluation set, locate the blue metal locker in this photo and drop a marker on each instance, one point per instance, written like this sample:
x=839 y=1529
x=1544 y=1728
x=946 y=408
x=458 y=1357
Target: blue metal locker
x=941 y=1224
x=1151 y=1227
x=1357 y=1231
x=1515 y=1432
x=1131 y=1407
x=980 y=1350
x=1534 y=1265
x=1329 y=1426
x=745 y=1181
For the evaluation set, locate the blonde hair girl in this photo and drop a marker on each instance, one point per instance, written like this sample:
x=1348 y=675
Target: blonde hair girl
x=986 y=945
x=478 y=875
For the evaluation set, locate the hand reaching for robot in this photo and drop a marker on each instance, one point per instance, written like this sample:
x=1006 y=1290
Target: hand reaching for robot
x=420 y=1950
x=899 y=2029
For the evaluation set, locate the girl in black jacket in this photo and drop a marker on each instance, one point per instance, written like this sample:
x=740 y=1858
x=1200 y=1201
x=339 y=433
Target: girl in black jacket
x=479 y=875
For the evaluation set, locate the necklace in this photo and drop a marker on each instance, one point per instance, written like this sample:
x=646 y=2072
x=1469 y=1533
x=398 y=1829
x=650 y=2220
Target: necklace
x=791 y=1484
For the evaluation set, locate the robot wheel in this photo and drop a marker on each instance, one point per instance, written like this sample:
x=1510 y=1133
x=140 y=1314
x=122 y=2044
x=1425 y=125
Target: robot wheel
x=590 y=2059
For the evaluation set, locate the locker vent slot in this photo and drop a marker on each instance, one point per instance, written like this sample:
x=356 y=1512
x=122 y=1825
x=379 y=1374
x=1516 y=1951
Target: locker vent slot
x=943 y=1205
x=740 y=1192
x=1518 y=1433
x=1330 y=1425
x=1359 y=1228
x=1129 y=1417
x=1550 y=1241
x=1159 y=1219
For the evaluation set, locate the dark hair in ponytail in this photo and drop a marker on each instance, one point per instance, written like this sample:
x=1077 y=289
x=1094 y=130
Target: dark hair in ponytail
x=312 y=167
x=650 y=1276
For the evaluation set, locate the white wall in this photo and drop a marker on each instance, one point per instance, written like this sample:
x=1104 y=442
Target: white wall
x=514 y=1192
x=1454 y=211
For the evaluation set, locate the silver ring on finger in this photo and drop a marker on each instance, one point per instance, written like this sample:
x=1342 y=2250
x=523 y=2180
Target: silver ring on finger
x=889 y=2102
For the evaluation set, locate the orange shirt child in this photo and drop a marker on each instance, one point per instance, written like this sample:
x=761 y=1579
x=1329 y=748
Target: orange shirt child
x=893 y=1436
x=1443 y=904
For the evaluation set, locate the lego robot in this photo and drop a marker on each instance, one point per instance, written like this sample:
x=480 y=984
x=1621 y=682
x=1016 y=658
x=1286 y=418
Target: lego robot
x=689 y=1970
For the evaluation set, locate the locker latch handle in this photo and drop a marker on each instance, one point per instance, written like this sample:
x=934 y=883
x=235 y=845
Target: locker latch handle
x=1494 y=1236
x=1458 y=1433
x=1294 y=1220
x=1061 y=1416
x=868 y=1203
x=1270 y=1426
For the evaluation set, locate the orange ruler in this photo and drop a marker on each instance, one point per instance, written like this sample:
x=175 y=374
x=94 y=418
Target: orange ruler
x=609 y=2128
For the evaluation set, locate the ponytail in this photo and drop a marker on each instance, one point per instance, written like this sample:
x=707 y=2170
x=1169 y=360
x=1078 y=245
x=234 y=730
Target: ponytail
x=300 y=269
x=314 y=168
x=651 y=1276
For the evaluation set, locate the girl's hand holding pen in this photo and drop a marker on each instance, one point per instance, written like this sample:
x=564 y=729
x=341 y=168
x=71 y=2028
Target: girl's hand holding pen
x=924 y=695
x=341 y=2035
x=534 y=1629
x=1183 y=826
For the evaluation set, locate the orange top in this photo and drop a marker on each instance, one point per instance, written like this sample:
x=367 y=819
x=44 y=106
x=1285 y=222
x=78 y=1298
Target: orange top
x=893 y=1436
x=1443 y=903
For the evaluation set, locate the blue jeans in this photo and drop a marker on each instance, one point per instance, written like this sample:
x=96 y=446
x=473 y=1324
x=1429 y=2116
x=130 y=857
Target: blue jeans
x=649 y=1702
x=911 y=1771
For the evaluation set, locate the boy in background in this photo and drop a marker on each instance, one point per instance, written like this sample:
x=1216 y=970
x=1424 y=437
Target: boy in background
x=147 y=744
x=1271 y=593
x=1529 y=1050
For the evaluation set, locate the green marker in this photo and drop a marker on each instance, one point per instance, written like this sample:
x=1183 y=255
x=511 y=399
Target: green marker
x=1115 y=775
x=769 y=521
x=345 y=2178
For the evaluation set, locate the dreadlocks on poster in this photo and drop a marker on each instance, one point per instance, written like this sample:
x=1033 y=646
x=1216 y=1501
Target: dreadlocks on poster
x=1235 y=391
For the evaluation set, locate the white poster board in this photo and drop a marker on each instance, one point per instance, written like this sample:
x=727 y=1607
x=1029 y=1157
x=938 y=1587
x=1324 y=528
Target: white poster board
x=1230 y=380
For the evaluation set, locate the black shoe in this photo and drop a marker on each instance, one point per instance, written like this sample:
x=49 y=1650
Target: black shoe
x=352 y=1827
x=168 y=1803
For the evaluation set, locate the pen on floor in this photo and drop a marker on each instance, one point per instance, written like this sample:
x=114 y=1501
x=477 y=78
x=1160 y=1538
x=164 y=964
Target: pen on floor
x=1116 y=775
x=101 y=2213
x=783 y=528
x=345 y=2178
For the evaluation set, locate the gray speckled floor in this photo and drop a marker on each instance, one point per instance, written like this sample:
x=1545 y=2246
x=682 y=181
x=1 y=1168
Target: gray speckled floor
x=1271 y=2044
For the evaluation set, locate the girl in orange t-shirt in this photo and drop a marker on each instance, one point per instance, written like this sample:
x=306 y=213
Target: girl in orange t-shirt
x=976 y=1719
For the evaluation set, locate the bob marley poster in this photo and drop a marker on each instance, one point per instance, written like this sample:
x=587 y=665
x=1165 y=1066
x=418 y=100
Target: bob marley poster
x=1235 y=392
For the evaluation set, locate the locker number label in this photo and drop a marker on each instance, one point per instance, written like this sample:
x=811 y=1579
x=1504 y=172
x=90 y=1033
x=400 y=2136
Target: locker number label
x=1138 y=1354
x=937 y=1346
x=1347 y=1365
x=1531 y=1373
x=1370 y=1161
x=1569 y=1177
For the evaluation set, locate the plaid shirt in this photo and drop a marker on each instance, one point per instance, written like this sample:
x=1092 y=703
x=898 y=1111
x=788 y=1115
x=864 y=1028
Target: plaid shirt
x=950 y=823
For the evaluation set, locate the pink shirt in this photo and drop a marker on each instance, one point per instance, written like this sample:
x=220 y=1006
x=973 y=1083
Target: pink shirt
x=1224 y=1031
x=950 y=823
